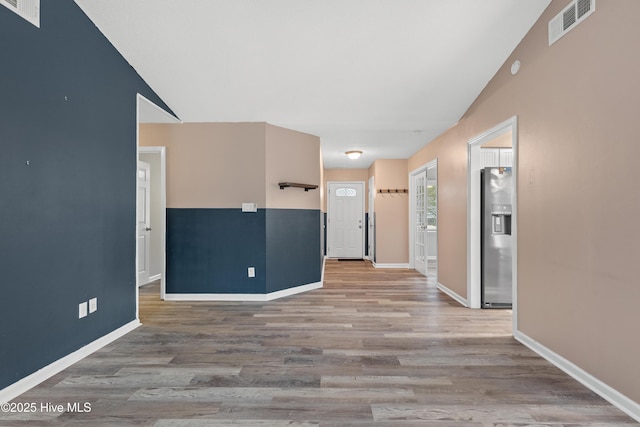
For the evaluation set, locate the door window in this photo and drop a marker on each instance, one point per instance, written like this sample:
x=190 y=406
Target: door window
x=345 y=192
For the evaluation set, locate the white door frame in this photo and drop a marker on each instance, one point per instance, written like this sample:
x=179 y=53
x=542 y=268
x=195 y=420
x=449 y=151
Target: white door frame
x=148 y=112
x=412 y=213
x=473 y=209
x=161 y=151
x=371 y=223
x=329 y=184
x=144 y=226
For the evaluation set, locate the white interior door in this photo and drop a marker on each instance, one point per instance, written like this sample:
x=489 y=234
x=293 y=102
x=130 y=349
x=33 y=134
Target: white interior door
x=420 y=203
x=144 y=221
x=431 y=219
x=345 y=220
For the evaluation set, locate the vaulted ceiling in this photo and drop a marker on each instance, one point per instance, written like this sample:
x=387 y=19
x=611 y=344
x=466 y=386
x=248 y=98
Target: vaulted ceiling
x=381 y=76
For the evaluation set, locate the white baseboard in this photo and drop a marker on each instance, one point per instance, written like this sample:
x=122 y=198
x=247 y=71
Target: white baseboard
x=608 y=393
x=243 y=297
x=151 y=279
x=249 y=297
x=453 y=295
x=16 y=389
x=292 y=291
x=154 y=278
x=390 y=265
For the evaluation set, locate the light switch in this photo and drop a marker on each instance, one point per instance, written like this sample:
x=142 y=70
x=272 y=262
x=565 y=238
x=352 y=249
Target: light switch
x=249 y=207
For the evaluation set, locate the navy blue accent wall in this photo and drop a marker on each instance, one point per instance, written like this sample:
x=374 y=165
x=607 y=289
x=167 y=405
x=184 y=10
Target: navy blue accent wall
x=67 y=186
x=375 y=245
x=366 y=234
x=293 y=248
x=209 y=251
x=323 y=236
x=324 y=232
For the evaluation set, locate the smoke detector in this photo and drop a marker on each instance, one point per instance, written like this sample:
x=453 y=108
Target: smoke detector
x=515 y=67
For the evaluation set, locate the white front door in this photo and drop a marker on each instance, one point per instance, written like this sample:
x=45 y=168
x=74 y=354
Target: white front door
x=346 y=217
x=420 y=203
x=143 y=218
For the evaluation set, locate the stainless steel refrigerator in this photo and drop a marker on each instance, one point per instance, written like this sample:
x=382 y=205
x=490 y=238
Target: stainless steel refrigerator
x=496 y=239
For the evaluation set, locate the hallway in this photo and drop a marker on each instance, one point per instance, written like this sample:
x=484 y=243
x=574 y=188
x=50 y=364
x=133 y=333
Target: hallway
x=373 y=346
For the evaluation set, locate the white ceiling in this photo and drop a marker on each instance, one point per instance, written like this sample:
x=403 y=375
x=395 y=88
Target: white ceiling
x=382 y=76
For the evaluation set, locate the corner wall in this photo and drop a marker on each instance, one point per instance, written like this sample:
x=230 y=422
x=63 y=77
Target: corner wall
x=293 y=216
x=67 y=187
x=577 y=103
x=212 y=168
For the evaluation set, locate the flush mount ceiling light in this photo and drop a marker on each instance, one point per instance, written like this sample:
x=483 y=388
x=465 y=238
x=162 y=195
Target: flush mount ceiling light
x=354 y=154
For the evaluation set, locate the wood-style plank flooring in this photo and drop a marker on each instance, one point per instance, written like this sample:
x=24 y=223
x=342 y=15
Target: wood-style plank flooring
x=373 y=347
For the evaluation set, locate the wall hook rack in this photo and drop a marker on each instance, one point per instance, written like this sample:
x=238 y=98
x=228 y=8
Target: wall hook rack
x=393 y=190
x=306 y=187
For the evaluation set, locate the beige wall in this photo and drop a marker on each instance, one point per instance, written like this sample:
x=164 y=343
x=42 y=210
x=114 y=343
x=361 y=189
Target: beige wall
x=391 y=212
x=577 y=103
x=292 y=156
x=211 y=165
x=451 y=151
x=323 y=202
x=222 y=165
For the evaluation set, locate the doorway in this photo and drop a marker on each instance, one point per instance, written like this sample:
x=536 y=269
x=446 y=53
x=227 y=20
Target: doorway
x=424 y=219
x=345 y=206
x=148 y=112
x=143 y=213
x=371 y=227
x=476 y=161
x=155 y=157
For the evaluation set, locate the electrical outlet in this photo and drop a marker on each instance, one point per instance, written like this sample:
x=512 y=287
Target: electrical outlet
x=93 y=305
x=251 y=272
x=82 y=310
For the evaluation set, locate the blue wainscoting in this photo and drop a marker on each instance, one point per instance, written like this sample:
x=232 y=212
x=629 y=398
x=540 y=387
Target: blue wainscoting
x=209 y=250
x=324 y=233
x=366 y=234
x=293 y=248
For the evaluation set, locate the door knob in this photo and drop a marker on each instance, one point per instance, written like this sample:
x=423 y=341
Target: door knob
x=148 y=229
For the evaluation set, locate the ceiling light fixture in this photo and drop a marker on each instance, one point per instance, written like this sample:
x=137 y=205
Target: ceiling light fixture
x=354 y=154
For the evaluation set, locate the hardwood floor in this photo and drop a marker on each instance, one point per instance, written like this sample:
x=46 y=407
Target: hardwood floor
x=373 y=347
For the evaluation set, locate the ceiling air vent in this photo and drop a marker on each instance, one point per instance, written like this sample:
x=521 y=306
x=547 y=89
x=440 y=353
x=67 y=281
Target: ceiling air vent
x=28 y=9
x=569 y=18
